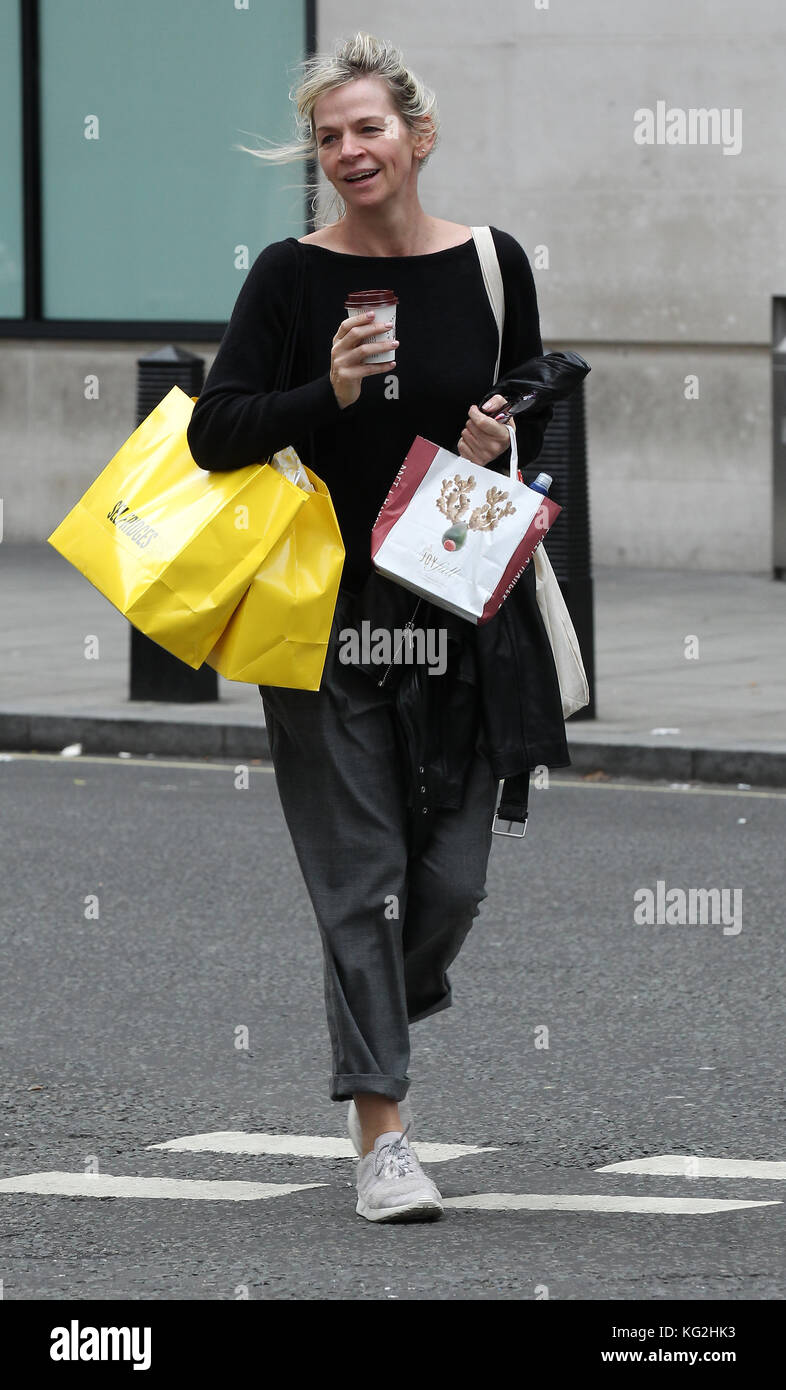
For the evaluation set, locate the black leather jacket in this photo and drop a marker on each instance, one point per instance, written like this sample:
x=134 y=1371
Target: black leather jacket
x=500 y=682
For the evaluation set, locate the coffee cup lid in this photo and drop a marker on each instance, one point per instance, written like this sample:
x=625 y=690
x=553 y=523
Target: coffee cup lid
x=368 y=298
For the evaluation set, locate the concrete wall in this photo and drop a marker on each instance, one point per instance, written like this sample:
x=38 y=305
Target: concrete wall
x=662 y=260
x=54 y=442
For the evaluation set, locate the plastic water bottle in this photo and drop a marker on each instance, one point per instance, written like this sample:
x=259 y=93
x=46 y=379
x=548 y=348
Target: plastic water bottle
x=542 y=483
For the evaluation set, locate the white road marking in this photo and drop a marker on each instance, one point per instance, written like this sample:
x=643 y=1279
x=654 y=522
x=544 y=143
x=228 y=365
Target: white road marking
x=557 y=1201
x=237 y=1141
x=184 y=1189
x=65 y=1184
x=695 y=1166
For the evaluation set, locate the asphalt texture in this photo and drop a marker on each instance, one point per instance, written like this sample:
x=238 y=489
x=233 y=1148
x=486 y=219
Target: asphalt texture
x=119 y=1032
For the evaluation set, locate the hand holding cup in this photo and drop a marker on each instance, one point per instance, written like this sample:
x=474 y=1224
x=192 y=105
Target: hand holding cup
x=356 y=350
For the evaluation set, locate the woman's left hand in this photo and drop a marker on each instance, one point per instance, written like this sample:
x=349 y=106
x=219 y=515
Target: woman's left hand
x=483 y=438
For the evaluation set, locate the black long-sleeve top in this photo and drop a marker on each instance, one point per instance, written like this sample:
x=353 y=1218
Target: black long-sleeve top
x=444 y=364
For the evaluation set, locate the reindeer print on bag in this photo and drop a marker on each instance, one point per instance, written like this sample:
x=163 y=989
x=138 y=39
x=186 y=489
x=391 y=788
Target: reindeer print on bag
x=453 y=502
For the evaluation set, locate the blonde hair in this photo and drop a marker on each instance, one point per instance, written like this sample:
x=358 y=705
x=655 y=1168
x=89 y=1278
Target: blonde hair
x=362 y=56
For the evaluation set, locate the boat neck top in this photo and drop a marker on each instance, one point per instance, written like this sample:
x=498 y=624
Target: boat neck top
x=356 y=256
x=444 y=364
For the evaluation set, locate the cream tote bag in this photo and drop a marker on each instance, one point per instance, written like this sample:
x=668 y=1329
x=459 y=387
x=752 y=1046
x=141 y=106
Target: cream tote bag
x=573 y=684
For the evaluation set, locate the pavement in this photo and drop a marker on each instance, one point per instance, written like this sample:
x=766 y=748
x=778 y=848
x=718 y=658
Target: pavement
x=690 y=677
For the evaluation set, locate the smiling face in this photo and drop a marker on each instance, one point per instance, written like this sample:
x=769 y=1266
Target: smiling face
x=358 y=129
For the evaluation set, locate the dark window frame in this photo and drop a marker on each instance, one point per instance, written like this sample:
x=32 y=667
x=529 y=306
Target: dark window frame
x=32 y=324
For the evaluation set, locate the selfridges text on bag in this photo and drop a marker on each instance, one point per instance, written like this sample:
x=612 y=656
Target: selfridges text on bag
x=239 y=567
x=158 y=536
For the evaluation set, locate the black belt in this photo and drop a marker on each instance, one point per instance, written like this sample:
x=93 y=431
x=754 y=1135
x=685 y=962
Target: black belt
x=512 y=809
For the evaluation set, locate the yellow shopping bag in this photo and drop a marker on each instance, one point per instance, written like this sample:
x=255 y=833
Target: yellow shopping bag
x=172 y=546
x=279 y=632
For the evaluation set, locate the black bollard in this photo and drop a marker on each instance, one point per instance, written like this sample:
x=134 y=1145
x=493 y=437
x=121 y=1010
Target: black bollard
x=155 y=673
x=564 y=456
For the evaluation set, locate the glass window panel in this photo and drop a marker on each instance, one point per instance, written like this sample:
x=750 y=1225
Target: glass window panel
x=142 y=222
x=11 y=223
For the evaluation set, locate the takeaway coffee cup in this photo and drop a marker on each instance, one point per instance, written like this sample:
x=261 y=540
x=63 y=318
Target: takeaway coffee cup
x=383 y=303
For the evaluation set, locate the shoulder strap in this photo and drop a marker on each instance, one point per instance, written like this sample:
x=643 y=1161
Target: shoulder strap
x=287 y=359
x=492 y=279
x=514 y=796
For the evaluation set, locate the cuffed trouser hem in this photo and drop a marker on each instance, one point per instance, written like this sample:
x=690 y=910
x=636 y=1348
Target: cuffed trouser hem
x=443 y=1003
x=344 y=1087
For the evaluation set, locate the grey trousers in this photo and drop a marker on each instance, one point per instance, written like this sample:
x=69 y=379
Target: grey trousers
x=390 y=923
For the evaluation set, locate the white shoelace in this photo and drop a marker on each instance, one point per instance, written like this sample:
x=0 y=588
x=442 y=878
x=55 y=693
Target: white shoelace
x=393 y=1161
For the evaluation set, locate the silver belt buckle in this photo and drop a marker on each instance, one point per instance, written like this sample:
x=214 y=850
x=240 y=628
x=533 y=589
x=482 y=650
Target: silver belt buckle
x=514 y=834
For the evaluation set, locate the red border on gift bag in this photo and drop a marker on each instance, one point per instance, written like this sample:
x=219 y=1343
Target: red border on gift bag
x=405 y=484
x=548 y=511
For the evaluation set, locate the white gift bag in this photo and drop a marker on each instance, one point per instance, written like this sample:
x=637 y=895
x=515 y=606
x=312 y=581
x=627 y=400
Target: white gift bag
x=457 y=533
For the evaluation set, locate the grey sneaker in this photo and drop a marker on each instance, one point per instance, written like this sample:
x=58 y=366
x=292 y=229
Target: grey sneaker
x=355 y=1131
x=392 y=1185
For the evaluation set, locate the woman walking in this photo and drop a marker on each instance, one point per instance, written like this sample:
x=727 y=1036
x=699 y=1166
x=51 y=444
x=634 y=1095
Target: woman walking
x=388 y=778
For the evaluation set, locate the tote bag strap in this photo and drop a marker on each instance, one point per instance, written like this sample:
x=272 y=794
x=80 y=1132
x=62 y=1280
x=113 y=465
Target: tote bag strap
x=492 y=279
x=298 y=327
x=512 y=809
x=287 y=360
